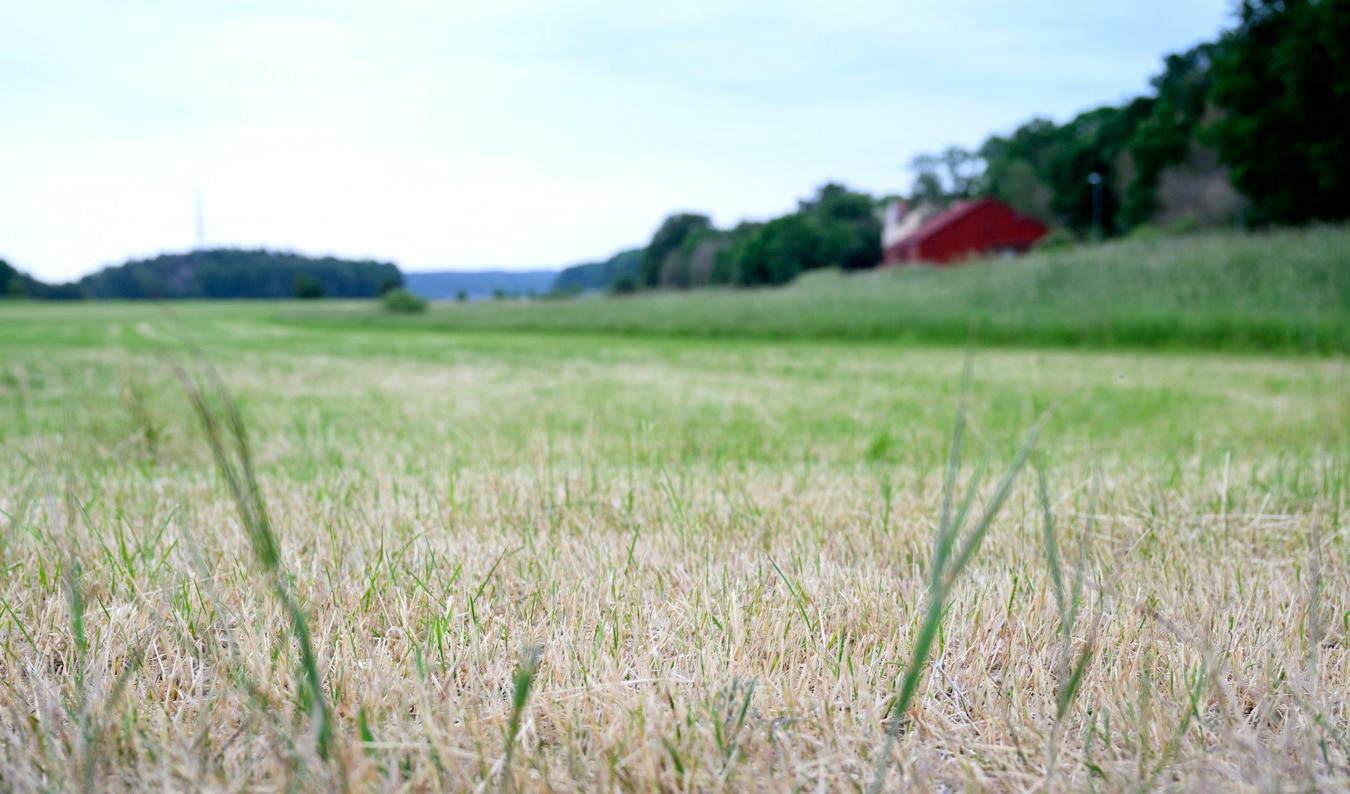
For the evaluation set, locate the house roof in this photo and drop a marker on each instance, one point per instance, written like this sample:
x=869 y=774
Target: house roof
x=944 y=219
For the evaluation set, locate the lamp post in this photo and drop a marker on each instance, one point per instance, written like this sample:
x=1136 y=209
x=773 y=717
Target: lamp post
x=1095 y=179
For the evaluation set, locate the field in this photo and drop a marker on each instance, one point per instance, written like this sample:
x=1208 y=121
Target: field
x=1286 y=290
x=520 y=560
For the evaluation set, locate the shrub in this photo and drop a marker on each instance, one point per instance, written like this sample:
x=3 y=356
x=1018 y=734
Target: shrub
x=307 y=287
x=401 y=301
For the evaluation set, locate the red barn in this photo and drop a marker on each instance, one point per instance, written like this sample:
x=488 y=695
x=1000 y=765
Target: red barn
x=963 y=230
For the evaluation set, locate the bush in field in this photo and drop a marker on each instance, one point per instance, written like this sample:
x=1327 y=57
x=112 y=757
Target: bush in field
x=401 y=301
x=307 y=287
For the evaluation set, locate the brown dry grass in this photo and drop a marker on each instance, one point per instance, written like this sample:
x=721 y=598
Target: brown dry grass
x=674 y=655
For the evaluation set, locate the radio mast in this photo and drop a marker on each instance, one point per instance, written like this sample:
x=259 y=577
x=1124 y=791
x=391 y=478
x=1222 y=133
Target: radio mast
x=201 y=221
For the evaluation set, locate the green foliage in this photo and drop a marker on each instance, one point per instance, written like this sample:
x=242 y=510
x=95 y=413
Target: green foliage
x=1165 y=134
x=308 y=287
x=777 y=252
x=17 y=284
x=401 y=301
x=239 y=273
x=955 y=173
x=834 y=228
x=1042 y=169
x=1272 y=95
x=668 y=239
x=600 y=275
x=11 y=282
x=1283 y=77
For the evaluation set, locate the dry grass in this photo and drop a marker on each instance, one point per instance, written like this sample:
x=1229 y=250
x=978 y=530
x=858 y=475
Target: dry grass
x=702 y=621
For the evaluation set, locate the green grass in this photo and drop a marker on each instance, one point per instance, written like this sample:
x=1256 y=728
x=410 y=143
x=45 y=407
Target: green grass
x=387 y=558
x=655 y=400
x=1283 y=291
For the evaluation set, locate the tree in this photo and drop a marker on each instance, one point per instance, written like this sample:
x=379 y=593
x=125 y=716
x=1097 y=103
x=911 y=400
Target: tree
x=847 y=226
x=1282 y=79
x=1165 y=136
x=778 y=251
x=1042 y=168
x=17 y=284
x=239 y=273
x=834 y=227
x=667 y=240
x=11 y=281
x=954 y=173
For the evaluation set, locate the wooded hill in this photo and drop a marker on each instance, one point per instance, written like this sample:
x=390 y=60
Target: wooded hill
x=219 y=273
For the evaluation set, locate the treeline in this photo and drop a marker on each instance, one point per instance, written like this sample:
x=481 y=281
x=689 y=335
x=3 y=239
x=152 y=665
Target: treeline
x=836 y=227
x=221 y=273
x=1249 y=129
x=17 y=284
x=618 y=272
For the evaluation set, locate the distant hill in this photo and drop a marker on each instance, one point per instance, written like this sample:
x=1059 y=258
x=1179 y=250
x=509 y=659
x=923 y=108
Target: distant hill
x=600 y=275
x=479 y=284
x=241 y=273
x=17 y=284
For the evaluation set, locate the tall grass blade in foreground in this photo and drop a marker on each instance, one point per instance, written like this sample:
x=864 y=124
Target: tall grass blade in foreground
x=521 y=683
x=1070 y=669
x=81 y=642
x=223 y=425
x=952 y=552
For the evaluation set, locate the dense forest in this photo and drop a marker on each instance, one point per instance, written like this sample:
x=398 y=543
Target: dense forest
x=220 y=273
x=242 y=273
x=216 y=273
x=1248 y=130
x=835 y=227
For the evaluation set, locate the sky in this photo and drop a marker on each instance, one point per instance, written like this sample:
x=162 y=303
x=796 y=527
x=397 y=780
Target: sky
x=511 y=133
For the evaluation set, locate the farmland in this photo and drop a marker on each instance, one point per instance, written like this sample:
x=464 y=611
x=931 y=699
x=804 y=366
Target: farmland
x=629 y=556
x=1287 y=290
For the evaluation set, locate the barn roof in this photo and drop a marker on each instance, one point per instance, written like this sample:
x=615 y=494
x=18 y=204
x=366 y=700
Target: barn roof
x=944 y=219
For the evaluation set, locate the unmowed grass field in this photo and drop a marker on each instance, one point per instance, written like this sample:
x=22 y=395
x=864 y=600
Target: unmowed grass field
x=468 y=554
x=1285 y=290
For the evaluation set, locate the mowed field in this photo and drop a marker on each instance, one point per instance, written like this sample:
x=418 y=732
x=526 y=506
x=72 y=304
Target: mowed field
x=518 y=560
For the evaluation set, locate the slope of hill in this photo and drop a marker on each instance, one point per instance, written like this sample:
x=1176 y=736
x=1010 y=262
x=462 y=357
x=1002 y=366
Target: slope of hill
x=478 y=284
x=600 y=275
x=241 y=273
x=1285 y=290
x=15 y=283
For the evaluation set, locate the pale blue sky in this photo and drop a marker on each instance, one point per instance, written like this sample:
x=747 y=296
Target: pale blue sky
x=518 y=133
